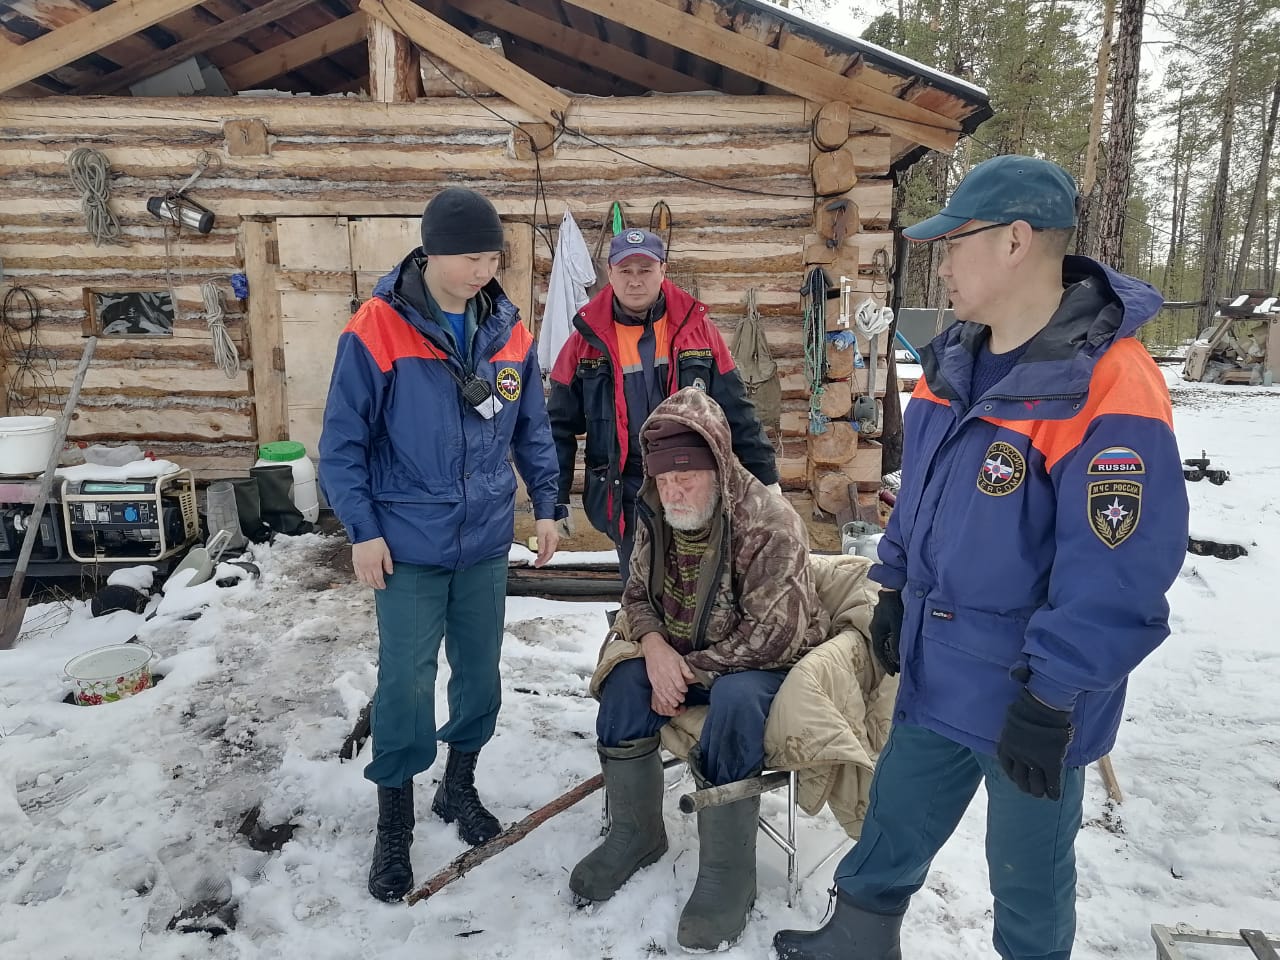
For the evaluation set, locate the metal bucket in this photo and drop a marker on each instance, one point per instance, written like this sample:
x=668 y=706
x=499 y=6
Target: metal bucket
x=112 y=673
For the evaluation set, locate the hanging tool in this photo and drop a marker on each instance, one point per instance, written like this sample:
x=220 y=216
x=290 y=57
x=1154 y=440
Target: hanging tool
x=870 y=321
x=15 y=605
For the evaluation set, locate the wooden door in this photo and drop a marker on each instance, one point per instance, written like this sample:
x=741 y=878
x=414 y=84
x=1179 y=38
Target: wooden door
x=326 y=267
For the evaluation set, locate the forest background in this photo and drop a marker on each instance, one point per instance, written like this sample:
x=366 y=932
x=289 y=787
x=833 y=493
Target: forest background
x=1165 y=113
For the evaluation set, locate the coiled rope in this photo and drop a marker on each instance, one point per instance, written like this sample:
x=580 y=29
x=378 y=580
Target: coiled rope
x=225 y=354
x=90 y=173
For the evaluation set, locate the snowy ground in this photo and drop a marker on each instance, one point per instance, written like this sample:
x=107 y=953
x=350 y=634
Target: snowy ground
x=114 y=817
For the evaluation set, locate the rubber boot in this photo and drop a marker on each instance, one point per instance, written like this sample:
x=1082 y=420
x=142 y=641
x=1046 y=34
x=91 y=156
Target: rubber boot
x=456 y=799
x=726 y=886
x=275 y=487
x=851 y=934
x=637 y=836
x=390 y=874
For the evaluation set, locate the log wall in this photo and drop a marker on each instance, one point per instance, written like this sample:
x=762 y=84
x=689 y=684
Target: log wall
x=350 y=158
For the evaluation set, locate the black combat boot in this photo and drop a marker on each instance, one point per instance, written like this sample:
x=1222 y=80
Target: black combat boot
x=456 y=799
x=390 y=875
x=851 y=934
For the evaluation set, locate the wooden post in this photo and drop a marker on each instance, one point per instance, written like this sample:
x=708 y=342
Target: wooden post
x=517 y=269
x=1273 y=350
x=392 y=76
x=266 y=338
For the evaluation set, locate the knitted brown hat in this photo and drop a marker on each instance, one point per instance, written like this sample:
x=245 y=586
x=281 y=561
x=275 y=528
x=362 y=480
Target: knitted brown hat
x=671 y=446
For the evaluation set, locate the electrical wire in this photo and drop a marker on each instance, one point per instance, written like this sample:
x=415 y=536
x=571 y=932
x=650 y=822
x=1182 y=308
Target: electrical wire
x=31 y=379
x=225 y=354
x=90 y=172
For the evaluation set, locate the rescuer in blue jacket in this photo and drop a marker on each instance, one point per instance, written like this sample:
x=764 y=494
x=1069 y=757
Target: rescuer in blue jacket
x=435 y=388
x=1041 y=520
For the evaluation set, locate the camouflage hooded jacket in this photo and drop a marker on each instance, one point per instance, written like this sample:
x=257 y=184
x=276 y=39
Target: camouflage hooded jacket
x=756 y=608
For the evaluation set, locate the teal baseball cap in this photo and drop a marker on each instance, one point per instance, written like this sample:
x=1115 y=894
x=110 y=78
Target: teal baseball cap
x=1002 y=190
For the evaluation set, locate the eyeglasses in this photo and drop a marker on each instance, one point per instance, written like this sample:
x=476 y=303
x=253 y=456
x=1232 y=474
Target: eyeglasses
x=951 y=238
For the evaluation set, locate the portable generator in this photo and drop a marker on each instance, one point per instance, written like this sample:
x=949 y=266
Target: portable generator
x=14 y=520
x=127 y=521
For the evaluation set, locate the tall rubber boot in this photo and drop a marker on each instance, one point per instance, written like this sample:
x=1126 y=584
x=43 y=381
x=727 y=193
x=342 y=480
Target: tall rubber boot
x=456 y=799
x=390 y=874
x=637 y=836
x=726 y=887
x=850 y=933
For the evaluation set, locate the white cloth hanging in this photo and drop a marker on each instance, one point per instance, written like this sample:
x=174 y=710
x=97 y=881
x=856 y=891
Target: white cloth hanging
x=571 y=273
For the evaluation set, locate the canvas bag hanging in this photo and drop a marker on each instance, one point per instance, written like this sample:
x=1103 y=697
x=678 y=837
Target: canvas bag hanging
x=757 y=367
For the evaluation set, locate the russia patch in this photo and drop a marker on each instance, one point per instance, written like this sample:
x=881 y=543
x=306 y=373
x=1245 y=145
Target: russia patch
x=509 y=383
x=1003 y=469
x=1114 y=507
x=1115 y=460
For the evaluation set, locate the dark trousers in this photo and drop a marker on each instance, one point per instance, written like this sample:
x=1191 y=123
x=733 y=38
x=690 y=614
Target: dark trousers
x=732 y=741
x=923 y=783
x=420 y=606
x=631 y=484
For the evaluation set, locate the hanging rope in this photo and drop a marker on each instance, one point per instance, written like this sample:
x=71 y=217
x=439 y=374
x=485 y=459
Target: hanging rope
x=225 y=354
x=90 y=173
x=30 y=380
x=814 y=296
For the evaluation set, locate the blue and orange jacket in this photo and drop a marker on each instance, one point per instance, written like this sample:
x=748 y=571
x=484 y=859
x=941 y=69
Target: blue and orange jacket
x=404 y=457
x=588 y=395
x=1040 y=525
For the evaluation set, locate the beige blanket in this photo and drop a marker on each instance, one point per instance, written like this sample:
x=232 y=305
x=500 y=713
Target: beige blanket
x=831 y=716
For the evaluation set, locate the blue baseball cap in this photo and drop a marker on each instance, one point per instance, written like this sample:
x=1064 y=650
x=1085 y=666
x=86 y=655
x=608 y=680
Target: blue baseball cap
x=1002 y=190
x=631 y=243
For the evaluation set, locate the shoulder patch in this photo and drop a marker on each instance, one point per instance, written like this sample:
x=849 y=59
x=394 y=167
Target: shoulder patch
x=701 y=353
x=1003 y=470
x=1114 y=507
x=509 y=384
x=1114 y=460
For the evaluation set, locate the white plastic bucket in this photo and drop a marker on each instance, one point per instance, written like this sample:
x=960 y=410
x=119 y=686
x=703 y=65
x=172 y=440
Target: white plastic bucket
x=26 y=443
x=110 y=673
x=306 y=494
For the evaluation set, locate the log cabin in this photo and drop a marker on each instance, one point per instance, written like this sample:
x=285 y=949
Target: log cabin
x=311 y=134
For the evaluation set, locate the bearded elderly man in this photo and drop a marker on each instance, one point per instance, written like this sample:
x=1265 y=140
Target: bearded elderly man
x=722 y=600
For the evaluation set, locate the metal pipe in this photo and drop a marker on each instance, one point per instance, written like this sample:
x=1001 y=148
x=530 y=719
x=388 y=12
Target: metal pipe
x=729 y=792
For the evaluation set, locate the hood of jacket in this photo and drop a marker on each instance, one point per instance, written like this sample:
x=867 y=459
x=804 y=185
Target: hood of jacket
x=1099 y=306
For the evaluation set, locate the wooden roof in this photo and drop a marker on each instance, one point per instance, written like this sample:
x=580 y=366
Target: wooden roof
x=598 y=47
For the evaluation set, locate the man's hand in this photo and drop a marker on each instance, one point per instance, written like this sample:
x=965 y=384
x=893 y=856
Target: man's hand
x=565 y=525
x=886 y=631
x=669 y=675
x=1033 y=746
x=548 y=540
x=371 y=559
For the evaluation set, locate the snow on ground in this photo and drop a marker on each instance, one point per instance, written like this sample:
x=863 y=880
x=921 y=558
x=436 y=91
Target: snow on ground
x=114 y=817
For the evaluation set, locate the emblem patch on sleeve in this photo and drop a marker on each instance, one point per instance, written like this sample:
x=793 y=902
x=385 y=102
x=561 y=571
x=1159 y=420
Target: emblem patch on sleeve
x=1116 y=460
x=509 y=383
x=1114 y=508
x=1003 y=470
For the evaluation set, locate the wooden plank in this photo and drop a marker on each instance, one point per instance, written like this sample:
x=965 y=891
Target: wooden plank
x=87 y=35
x=442 y=40
x=377 y=244
x=310 y=325
x=313 y=243
x=165 y=379
x=517 y=268
x=170 y=56
x=393 y=74
x=265 y=335
x=279 y=60
x=781 y=70
x=1273 y=350
x=590 y=51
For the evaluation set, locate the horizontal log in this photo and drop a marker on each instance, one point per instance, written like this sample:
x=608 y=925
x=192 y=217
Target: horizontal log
x=134 y=378
x=788 y=201
x=173 y=423
x=303 y=117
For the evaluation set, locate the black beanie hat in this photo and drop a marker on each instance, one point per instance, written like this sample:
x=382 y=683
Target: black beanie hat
x=458 y=220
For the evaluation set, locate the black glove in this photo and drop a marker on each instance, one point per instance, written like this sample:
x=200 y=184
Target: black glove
x=886 y=630
x=1033 y=746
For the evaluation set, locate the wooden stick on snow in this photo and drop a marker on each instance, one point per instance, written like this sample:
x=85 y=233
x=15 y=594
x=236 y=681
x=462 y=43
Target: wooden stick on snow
x=517 y=831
